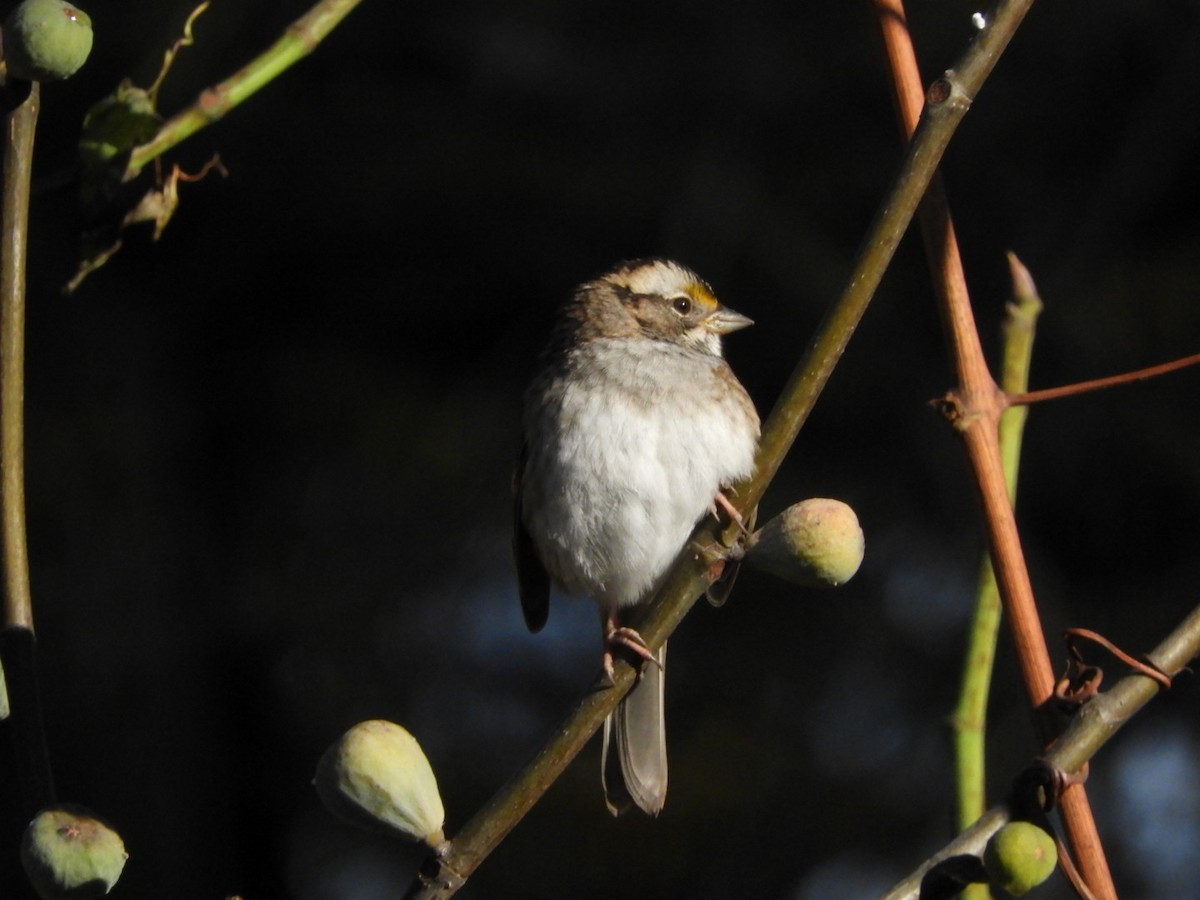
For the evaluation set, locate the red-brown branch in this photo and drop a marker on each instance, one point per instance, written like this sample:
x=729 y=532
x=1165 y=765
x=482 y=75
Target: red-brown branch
x=979 y=403
x=1096 y=384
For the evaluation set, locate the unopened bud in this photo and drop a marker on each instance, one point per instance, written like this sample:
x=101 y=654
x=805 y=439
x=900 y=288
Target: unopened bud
x=1019 y=857
x=69 y=853
x=46 y=40
x=377 y=776
x=814 y=543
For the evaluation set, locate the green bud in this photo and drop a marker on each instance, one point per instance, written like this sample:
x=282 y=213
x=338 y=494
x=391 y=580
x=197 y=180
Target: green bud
x=118 y=123
x=46 y=40
x=377 y=776
x=111 y=129
x=814 y=543
x=68 y=853
x=1019 y=857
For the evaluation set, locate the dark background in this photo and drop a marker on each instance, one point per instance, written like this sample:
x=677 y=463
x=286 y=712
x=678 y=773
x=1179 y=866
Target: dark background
x=269 y=457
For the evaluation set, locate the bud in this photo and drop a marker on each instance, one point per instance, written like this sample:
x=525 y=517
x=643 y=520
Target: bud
x=111 y=128
x=46 y=40
x=68 y=853
x=814 y=543
x=1019 y=857
x=377 y=776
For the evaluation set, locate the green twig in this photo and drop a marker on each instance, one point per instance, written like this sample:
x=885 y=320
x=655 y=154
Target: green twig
x=970 y=716
x=443 y=876
x=297 y=41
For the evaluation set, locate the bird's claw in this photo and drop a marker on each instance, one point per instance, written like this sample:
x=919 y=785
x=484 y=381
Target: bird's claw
x=720 y=500
x=630 y=640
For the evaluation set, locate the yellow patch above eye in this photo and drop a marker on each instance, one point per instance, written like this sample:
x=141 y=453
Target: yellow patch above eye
x=701 y=295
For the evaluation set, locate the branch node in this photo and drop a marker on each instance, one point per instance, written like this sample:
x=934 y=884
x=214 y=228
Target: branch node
x=436 y=874
x=1037 y=789
x=947 y=91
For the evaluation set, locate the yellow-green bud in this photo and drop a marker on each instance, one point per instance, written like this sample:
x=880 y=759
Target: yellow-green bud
x=68 y=853
x=1019 y=857
x=46 y=40
x=377 y=776
x=814 y=543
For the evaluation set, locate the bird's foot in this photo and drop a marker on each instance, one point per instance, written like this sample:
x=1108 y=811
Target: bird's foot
x=720 y=500
x=628 y=638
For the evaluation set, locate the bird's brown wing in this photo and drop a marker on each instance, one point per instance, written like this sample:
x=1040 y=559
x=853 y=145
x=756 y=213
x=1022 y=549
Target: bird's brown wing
x=533 y=582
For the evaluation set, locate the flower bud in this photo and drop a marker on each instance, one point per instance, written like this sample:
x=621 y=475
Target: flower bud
x=814 y=543
x=377 y=776
x=46 y=40
x=68 y=853
x=1019 y=857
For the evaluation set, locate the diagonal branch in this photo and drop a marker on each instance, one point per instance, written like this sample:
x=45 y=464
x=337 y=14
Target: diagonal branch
x=1093 y=726
x=299 y=40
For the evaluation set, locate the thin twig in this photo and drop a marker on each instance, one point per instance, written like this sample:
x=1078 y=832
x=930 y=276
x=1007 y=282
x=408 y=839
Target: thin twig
x=297 y=41
x=185 y=40
x=1096 y=384
x=687 y=580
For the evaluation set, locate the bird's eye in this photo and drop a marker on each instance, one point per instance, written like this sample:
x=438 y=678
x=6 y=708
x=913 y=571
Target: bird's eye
x=681 y=305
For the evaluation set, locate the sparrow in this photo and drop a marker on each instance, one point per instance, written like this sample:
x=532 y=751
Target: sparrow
x=633 y=428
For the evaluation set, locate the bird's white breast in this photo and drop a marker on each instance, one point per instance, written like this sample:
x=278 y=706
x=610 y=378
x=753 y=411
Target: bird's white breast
x=626 y=456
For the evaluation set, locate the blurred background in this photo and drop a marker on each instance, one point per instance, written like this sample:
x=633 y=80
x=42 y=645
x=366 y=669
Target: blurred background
x=269 y=457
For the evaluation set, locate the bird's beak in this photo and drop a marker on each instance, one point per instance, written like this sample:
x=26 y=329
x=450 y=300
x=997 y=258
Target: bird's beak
x=725 y=320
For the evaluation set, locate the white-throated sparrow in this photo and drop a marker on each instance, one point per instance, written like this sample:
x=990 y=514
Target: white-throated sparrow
x=632 y=428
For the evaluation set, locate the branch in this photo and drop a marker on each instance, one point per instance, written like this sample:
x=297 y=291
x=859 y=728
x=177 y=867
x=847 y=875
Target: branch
x=945 y=108
x=297 y=41
x=19 y=127
x=979 y=404
x=32 y=771
x=1083 y=387
x=442 y=876
x=1093 y=726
